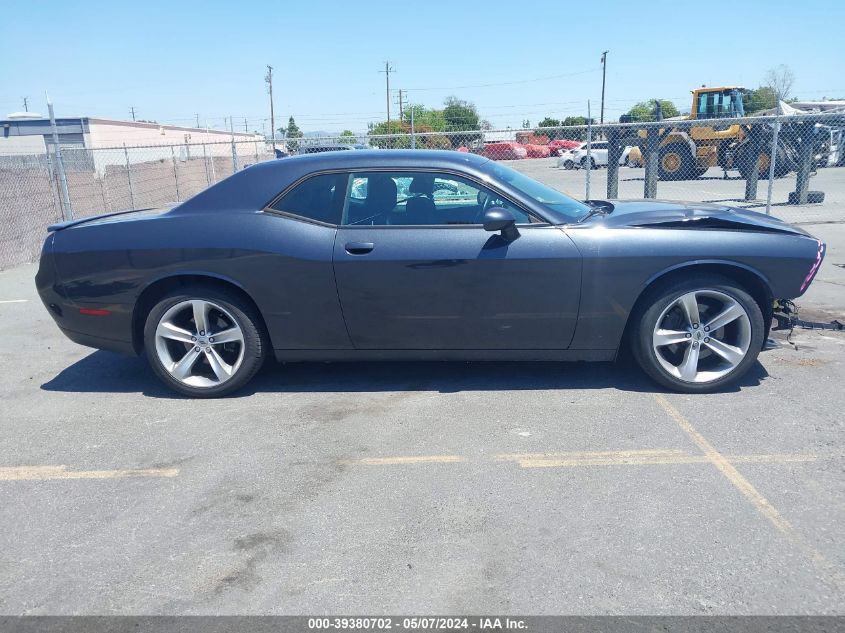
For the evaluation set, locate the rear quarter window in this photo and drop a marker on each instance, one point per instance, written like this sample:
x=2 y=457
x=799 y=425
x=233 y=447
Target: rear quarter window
x=318 y=198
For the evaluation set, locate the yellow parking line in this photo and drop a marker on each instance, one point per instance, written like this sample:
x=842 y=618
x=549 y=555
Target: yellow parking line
x=414 y=459
x=749 y=491
x=634 y=458
x=781 y=458
x=38 y=473
x=642 y=457
x=726 y=468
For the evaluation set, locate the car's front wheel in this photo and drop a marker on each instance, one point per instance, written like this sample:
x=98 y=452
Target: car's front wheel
x=698 y=335
x=204 y=342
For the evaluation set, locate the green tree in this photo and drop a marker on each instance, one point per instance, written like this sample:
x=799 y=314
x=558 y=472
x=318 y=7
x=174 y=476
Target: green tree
x=647 y=110
x=393 y=135
x=348 y=137
x=548 y=122
x=763 y=98
x=557 y=129
x=543 y=128
x=292 y=132
x=461 y=116
x=397 y=135
x=430 y=117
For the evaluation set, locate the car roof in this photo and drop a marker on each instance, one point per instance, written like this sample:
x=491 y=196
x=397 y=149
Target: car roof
x=384 y=158
x=255 y=186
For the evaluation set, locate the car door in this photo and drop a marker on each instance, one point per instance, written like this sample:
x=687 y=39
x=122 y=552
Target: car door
x=297 y=288
x=416 y=270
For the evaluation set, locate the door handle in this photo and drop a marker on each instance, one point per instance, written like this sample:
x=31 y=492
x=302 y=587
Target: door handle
x=359 y=248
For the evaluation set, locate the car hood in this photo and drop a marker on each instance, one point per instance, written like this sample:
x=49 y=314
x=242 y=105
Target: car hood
x=690 y=215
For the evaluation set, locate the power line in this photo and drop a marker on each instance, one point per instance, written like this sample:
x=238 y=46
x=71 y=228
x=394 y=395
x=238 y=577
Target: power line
x=506 y=83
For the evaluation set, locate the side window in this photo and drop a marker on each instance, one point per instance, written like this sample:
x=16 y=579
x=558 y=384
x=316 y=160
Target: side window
x=420 y=198
x=318 y=198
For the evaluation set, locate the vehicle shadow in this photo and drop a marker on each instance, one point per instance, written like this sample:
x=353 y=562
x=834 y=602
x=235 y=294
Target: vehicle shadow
x=105 y=372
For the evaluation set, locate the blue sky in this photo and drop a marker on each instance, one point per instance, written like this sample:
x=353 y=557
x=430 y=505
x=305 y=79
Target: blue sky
x=514 y=60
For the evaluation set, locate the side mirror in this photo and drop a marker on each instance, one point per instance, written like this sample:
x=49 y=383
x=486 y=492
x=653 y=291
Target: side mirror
x=499 y=219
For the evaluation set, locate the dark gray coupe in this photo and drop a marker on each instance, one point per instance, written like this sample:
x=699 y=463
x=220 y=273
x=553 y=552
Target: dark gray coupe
x=420 y=255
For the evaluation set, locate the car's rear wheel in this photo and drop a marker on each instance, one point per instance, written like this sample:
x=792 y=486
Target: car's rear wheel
x=698 y=335
x=204 y=342
x=588 y=161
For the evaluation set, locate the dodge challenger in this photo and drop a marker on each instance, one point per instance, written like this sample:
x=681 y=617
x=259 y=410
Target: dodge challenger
x=427 y=255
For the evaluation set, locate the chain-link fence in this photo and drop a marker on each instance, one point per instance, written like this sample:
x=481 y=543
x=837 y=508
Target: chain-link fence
x=764 y=163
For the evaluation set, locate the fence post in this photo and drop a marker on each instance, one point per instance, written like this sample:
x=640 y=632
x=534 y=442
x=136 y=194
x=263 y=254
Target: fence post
x=772 y=160
x=413 y=134
x=105 y=184
x=752 y=157
x=805 y=160
x=67 y=208
x=205 y=162
x=652 y=155
x=234 y=149
x=589 y=145
x=129 y=177
x=175 y=172
x=57 y=204
x=614 y=153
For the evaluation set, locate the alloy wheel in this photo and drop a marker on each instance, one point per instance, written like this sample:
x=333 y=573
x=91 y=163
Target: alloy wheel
x=702 y=336
x=199 y=343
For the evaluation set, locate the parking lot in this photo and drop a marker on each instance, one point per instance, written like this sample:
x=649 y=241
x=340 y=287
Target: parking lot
x=712 y=187
x=533 y=488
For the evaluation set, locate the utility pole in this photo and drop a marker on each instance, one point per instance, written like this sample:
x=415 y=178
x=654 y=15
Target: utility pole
x=387 y=70
x=245 y=126
x=132 y=110
x=198 y=119
x=603 y=75
x=25 y=104
x=269 y=79
x=402 y=96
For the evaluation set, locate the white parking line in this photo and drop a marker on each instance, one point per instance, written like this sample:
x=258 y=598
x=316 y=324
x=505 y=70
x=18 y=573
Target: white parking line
x=13 y=300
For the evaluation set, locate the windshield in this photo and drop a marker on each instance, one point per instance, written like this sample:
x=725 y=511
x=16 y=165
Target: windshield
x=569 y=209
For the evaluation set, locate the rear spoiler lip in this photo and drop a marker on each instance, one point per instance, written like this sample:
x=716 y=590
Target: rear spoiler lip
x=59 y=226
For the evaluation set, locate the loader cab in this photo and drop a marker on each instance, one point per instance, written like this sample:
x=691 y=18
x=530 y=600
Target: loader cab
x=715 y=103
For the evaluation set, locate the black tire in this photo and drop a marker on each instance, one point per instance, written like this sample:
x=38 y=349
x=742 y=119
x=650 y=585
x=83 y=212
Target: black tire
x=584 y=163
x=676 y=162
x=255 y=342
x=644 y=322
x=568 y=164
x=813 y=197
x=744 y=162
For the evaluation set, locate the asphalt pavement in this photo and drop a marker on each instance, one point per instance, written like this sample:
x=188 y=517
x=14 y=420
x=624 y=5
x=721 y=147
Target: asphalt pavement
x=366 y=488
